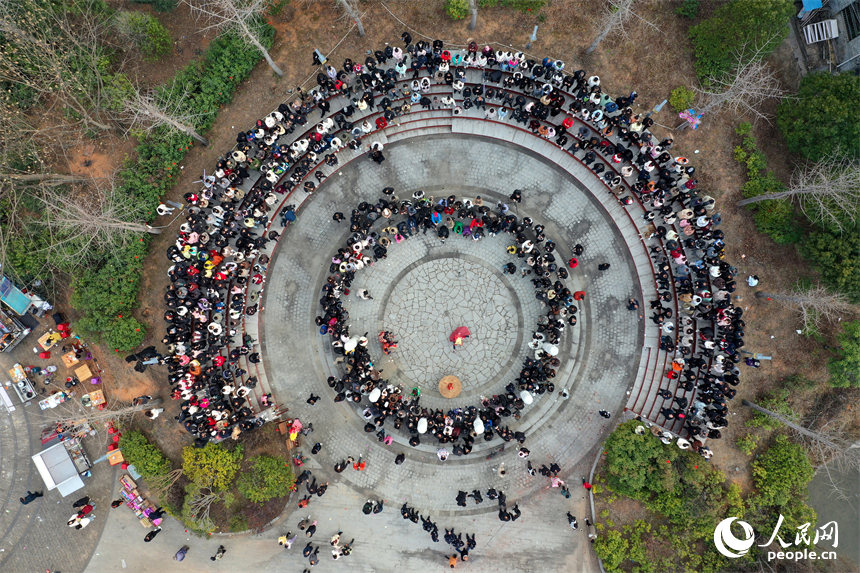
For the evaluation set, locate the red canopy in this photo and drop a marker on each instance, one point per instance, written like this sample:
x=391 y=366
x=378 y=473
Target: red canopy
x=461 y=333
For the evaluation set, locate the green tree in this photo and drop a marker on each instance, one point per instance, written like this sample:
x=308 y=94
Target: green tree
x=845 y=369
x=147 y=459
x=782 y=473
x=636 y=464
x=739 y=24
x=268 y=478
x=837 y=257
x=212 y=466
x=824 y=119
x=612 y=550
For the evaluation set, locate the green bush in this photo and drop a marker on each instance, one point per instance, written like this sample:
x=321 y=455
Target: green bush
x=782 y=473
x=824 y=118
x=845 y=369
x=747 y=444
x=612 y=550
x=104 y=290
x=238 y=523
x=775 y=217
x=212 y=466
x=159 y=5
x=146 y=458
x=681 y=98
x=775 y=401
x=457 y=9
x=836 y=256
x=688 y=9
x=738 y=25
x=268 y=478
x=145 y=32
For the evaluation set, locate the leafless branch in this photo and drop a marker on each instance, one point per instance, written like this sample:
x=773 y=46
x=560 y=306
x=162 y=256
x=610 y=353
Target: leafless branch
x=743 y=90
x=236 y=16
x=615 y=18
x=813 y=305
x=351 y=9
x=162 y=108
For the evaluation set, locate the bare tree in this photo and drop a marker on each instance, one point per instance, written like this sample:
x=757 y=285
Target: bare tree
x=830 y=442
x=235 y=15
x=58 y=53
x=99 y=217
x=351 y=8
x=618 y=13
x=200 y=506
x=158 y=486
x=71 y=416
x=813 y=305
x=473 y=8
x=828 y=191
x=741 y=91
x=162 y=108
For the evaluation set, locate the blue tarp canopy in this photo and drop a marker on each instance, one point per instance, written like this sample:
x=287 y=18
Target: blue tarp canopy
x=13 y=297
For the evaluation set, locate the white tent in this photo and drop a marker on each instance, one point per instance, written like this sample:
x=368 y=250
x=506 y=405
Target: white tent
x=57 y=469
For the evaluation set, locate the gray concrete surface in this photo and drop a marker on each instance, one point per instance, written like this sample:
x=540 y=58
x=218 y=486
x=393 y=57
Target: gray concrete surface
x=35 y=537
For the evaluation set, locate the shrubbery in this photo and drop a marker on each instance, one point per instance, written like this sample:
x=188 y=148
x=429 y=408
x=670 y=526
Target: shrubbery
x=845 y=369
x=682 y=98
x=212 y=466
x=146 y=458
x=688 y=9
x=457 y=9
x=693 y=497
x=145 y=32
x=836 y=256
x=269 y=477
x=738 y=25
x=103 y=292
x=775 y=217
x=824 y=118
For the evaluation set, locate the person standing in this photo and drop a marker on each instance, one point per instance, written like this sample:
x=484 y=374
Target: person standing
x=571 y=520
x=151 y=535
x=452 y=561
x=604 y=414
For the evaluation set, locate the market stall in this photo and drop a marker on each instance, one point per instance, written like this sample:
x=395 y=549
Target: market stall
x=53 y=400
x=62 y=465
x=135 y=501
x=21 y=383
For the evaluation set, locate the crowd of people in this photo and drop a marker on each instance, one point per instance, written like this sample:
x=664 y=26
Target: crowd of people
x=220 y=252
x=380 y=226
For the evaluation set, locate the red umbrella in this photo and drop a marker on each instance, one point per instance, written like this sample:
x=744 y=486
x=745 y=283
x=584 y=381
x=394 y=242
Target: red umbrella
x=459 y=334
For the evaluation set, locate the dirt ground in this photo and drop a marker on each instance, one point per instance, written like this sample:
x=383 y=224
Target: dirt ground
x=650 y=61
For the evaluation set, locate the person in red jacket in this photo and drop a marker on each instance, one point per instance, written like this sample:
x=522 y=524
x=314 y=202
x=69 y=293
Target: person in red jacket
x=381 y=122
x=579 y=295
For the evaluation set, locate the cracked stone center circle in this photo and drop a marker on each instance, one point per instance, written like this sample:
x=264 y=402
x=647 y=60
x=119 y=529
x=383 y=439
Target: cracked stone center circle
x=436 y=297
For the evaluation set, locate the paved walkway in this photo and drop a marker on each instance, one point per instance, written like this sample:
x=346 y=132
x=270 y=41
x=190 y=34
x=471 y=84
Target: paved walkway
x=538 y=542
x=35 y=537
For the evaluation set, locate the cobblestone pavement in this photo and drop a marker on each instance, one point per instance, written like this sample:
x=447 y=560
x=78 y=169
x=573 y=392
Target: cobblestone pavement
x=470 y=294
x=35 y=537
x=601 y=353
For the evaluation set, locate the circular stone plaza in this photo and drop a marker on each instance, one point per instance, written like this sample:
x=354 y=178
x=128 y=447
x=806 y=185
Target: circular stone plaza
x=393 y=161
